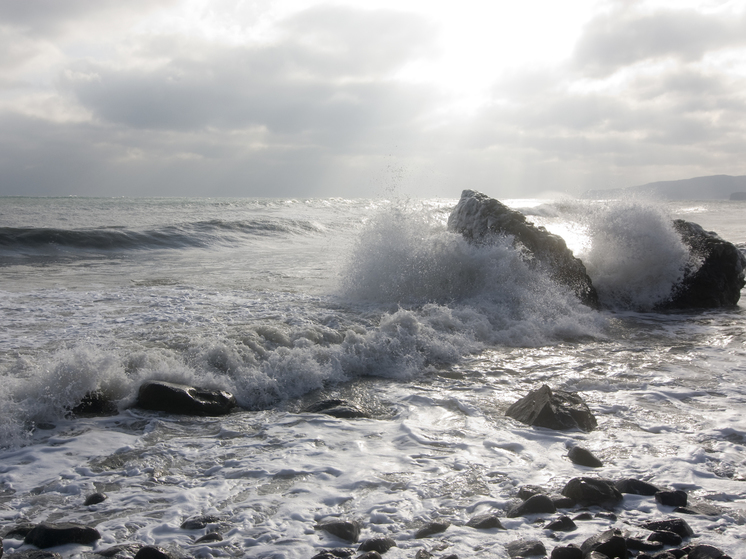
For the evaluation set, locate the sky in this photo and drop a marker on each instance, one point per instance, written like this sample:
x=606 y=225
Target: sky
x=422 y=98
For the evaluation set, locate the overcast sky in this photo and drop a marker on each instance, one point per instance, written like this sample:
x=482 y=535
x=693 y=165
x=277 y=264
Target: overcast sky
x=300 y=98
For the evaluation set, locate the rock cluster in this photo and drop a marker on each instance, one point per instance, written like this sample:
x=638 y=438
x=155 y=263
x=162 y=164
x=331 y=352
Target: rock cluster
x=714 y=278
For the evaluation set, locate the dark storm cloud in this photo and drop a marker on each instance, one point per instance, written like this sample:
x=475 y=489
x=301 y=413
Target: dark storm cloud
x=622 y=38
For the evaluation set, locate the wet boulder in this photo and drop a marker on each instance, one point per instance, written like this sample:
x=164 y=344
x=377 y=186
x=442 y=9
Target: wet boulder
x=526 y=548
x=341 y=409
x=480 y=219
x=610 y=543
x=347 y=530
x=636 y=487
x=432 y=528
x=557 y=409
x=583 y=457
x=716 y=277
x=592 y=491
x=379 y=545
x=485 y=522
x=45 y=535
x=535 y=504
x=171 y=397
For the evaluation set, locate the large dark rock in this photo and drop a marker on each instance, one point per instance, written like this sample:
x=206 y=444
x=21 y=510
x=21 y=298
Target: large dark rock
x=94 y=404
x=611 y=543
x=554 y=410
x=380 y=544
x=592 y=491
x=154 y=552
x=671 y=498
x=704 y=552
x=718 y=278
x=170 y=397
x=52 y=535
x=481 y=218
x=485 y=522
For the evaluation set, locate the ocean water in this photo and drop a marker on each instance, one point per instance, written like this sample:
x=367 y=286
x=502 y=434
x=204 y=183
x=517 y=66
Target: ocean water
x=285 y=302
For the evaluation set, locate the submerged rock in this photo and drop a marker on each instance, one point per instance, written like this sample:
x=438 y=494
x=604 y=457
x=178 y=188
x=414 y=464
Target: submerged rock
x=52 y=535
x=347 y=530
x=718 y=278
x=480 y=218
x=94 y=499
x=380 y=545
x=94 y=404
x=341 y=409
x=170 y=397
x=555 y=410
x=431 y=528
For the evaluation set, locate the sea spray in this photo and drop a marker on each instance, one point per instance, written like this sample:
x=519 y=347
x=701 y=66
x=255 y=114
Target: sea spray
x=636 y=257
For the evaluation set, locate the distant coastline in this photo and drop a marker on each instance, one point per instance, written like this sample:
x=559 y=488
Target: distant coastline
x=713 y=187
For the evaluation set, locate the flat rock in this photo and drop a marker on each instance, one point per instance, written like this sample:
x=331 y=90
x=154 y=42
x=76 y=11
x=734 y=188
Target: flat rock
x=199 y=522
x=526 y=548
x=431 y=529
x=51 y=535
x=481 y=219
x=557 y=410
x=636 y=487
x=171 y=397
x=583 y=457
x=485 y=522
x=381 y=545
x=592 y=491
x=347 y=530
x=700 y=507
x=533 y=505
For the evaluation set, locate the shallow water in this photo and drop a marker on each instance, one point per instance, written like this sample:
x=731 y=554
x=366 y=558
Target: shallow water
x=287 y=302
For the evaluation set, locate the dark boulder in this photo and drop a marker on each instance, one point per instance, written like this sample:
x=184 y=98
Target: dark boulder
x=583 y=457
x=431 y=529
x=567 y=552
x=370 y=555
x=210 y=537
x=561 y=524
x=704 y=552
x=347 y=530
x=592 y=491
x=94 y=499
x=485 y=522
x=554 y=410
x=341 y=553
x=526 y=491
x=675 y=525
x=665 y=537
x=533 y=505
x=183 y=399
x=671 y=498
x=716 y=279
x=154 y=552
x=52 y=535
x=480 y=219
x=526 y=548
x=381 y=545
x=611 y=543
x=636 y=487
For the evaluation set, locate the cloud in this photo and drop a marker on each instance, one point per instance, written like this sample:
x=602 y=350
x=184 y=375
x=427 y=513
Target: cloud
x=626 y=37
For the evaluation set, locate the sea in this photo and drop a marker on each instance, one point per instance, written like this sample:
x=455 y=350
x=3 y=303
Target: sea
x=287 y=302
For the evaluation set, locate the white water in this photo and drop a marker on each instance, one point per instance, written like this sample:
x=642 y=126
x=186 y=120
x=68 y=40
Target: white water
x=376 y=303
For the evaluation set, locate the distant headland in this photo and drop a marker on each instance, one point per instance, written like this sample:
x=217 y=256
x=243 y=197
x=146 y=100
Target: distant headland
x=714 y=187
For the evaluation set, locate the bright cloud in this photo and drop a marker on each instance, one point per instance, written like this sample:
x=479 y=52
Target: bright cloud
x=307 y=98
